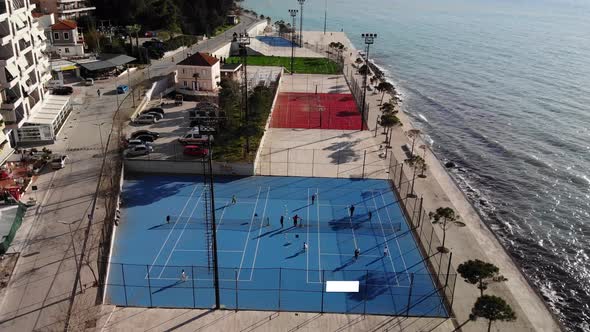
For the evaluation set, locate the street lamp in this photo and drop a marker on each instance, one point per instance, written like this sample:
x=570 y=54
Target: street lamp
x=243 y=41
x=293 y=13
x=301 y=2
x=369 y=39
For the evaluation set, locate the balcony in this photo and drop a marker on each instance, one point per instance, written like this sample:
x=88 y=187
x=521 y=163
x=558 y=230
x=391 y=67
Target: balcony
x=18 y=4
x=74 y=7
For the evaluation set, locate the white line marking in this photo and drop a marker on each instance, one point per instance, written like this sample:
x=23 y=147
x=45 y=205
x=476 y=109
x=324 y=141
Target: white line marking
x=307 y=239
x=108 y=319
x=317 y=198
x=202 y=250
x=259 y=232
x=248 y=236
x=181 y=233
x=334 y=254
x=222 y=213
x=385 y=237
x=173 y=226
x=396 y=241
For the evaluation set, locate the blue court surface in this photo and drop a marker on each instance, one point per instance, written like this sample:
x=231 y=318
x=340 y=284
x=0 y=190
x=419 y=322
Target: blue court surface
x=275 y=41
x=263 y=266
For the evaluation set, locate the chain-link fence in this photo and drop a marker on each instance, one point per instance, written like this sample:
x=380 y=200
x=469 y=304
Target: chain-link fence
x=282 y=289
x=340 y=162
x=18 y=220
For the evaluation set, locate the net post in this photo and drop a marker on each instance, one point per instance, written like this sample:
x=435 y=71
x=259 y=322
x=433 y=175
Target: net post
x=280 y=281
x=193 y=277
x=365 y=293
x=124 y=285
x=147 y=269
x=236 y=277
x=364 y=161
x=420 y=213
x=410 y=294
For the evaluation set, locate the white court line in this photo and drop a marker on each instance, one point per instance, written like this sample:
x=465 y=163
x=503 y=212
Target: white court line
x=259 y=232
x=334 y=254
x=385 y=237
x=248 y=236
x=307 y=239
x=182 y=232
x=202 y=250
x=317 y=198
x=173 y=226
x=222 y=213
x=396 y=241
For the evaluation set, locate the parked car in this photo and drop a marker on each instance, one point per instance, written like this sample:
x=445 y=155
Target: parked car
x=146 y=118
x=62 y=90
x=138 y=150
x=122 y=89
x=145 y=138
x=154 y=134
x=135 y=142
x=195 y=150
x=155 y=110
x=58 y=162
x=178 y=100
x=156 y=115
x=195 y=138
x=89 y=82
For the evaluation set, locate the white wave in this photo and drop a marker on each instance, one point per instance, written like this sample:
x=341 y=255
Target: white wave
x=422 y=117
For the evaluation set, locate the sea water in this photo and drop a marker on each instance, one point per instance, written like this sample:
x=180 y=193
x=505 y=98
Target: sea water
x=502 y=88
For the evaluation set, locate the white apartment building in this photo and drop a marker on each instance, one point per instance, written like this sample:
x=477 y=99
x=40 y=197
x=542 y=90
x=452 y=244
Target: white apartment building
x=24 y=68
x=65 y=9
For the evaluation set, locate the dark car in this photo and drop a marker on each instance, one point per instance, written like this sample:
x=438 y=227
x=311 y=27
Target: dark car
x=62 y=90
x=154 y=110
x=145 y=138
x=154 y=134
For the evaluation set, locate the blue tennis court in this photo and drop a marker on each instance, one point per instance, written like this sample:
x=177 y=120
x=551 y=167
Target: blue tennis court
x=275 y=41
x=264 y=265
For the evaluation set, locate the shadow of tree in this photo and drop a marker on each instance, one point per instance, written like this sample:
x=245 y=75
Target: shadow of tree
x=373 y=284
x=343 y=152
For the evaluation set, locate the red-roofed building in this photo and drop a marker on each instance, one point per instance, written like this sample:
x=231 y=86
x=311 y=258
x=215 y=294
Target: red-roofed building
x=65 y=39
x=198 y=72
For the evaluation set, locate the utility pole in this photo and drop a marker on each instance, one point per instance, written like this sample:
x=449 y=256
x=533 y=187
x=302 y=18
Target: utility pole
x=293 y=13
x=301 y=2
x=325 y=16
x=369 y=39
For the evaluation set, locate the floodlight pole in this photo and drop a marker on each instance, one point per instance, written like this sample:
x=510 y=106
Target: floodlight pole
x=243 y=42
x=301 y=2
x=369 y=39
x=213 y=228
x=293 y=13
x=325 y=16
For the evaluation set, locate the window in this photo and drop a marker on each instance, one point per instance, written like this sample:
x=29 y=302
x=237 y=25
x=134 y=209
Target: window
x=185 y=84
x=56 y=35
x=66 y=35
x=67 y=50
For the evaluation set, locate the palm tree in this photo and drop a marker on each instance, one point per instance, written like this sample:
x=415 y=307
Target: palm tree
x=417 y=163
x=388 y=108
x=384 y=87
x=363 y=70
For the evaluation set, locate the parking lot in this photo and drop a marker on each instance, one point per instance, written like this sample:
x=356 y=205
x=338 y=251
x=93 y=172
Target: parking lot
x=171 y=127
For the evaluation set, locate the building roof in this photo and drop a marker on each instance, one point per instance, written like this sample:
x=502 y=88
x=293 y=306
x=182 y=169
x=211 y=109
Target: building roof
x=107 y=61
x=50 y=110
x=64 y=25
x=199 y=59
x=230 y=67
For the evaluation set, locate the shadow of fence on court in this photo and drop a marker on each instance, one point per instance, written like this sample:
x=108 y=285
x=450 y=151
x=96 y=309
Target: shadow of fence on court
x=276 y=289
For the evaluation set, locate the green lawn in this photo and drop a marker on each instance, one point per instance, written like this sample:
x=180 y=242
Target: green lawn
x=300 y=65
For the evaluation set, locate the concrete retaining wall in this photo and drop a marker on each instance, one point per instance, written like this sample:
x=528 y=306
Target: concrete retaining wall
x=223 y=51
x=187 y=167
x=258 y=28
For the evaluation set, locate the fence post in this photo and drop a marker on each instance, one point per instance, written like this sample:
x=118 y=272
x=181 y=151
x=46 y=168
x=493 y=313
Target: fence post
x=430 y=241
x=421 y=211
x=236 y=275
x=193 y=277
x=288 y=149
x=448 y=269
x=338 y=164
x=323 y=290
x=365 y=294
x=312 y=161
x=401 y=173
x=270 y=161
x=124 y=285
x=280 y=280
x=410 y=294
x=364 y=160
x=147 y=269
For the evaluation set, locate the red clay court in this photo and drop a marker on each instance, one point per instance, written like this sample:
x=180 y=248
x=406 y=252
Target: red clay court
x=316 y=111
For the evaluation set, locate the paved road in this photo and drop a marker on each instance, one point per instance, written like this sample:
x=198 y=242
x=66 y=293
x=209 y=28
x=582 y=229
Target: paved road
x=38 y=293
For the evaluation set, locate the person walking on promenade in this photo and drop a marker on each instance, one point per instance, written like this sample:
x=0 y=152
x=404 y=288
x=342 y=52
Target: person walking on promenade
x=234 y=200
x=282 y=221
x=351 y=208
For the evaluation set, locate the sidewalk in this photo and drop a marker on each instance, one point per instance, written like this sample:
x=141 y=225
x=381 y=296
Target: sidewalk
x=470 y=242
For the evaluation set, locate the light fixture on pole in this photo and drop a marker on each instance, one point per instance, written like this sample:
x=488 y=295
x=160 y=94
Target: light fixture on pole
x=369 y=39
x=293 y=13
x=301 y=2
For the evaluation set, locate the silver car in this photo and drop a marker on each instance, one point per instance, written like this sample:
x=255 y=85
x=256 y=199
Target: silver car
x=146 y=119
x=138 y=150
